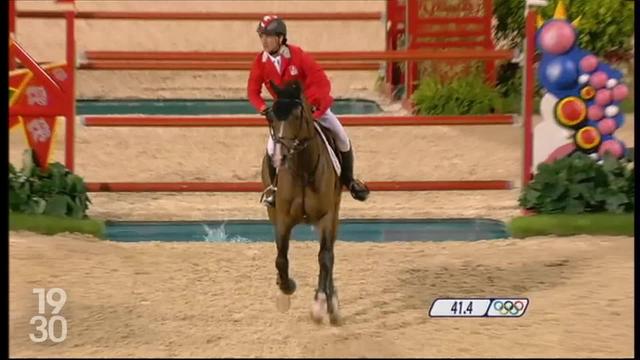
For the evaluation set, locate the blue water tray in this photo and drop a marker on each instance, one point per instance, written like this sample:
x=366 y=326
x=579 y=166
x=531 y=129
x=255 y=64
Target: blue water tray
x=203 y=107
x=361 y=230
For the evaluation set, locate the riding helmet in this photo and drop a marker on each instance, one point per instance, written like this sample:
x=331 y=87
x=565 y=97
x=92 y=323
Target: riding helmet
x=272 y=25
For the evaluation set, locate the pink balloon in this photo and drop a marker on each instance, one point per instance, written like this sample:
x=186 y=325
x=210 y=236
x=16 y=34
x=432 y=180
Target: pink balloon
x=557 y=37
x=613 y=146
x=599 y=79
x=607 y=126
x=589 y=63
x=620 y=92
x=595 y=112
x=603 y=97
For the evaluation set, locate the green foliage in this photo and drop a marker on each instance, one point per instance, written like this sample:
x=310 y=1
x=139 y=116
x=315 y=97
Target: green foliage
x=509 y=80
x=605 y=29
x=469 y=95
x=509 y=86
x=569 y=224
x=50 y=225
x=578 y=184
x=55 y=192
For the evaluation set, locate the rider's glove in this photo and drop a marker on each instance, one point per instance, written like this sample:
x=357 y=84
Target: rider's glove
x=267 y=112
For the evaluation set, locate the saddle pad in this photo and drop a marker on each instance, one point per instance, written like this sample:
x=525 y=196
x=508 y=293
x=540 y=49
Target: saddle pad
x=332 y=155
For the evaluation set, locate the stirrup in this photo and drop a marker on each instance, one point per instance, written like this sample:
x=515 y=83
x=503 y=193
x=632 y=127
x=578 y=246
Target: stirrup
x=269 y=201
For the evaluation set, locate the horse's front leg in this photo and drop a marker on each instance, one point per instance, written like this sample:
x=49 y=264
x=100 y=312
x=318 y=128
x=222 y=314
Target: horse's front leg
x=285 y=283
x=326 y=296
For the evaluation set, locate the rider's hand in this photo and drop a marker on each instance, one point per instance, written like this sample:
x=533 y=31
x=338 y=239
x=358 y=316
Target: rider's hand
x=267 y=112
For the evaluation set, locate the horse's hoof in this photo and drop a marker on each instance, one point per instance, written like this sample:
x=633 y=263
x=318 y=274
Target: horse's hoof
x=283 y=302
x=289 y=288
x=319 y=308
x=334 y=314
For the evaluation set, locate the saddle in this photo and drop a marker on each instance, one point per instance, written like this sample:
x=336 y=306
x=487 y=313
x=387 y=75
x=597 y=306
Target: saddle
x=327 y=139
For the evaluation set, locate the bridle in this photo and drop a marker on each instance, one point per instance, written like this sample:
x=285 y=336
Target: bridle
x=295 y=144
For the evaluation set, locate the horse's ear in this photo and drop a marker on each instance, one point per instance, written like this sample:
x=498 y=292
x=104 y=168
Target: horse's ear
x=275 y=87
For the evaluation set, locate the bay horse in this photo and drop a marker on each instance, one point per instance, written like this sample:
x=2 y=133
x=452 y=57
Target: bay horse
x=308 y=191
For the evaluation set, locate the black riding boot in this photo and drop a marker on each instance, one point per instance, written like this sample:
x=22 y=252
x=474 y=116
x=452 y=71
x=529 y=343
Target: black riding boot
x=358 y=189
x=269 y=194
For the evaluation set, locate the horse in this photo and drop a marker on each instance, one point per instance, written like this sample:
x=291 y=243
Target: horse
x=308 y=191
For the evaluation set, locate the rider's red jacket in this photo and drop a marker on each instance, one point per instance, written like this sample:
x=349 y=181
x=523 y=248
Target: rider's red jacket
x=295 y=65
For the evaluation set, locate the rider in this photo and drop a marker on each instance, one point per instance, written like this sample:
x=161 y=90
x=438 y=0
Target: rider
x=282 y=62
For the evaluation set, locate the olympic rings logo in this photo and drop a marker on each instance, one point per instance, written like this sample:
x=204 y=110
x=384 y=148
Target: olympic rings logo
x=508 y=307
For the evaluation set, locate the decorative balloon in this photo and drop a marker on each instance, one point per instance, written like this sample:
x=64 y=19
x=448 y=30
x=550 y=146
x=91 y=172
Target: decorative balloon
x=588 y=91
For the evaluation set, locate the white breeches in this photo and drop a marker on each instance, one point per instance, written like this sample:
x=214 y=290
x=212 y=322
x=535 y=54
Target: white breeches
x=329 y=121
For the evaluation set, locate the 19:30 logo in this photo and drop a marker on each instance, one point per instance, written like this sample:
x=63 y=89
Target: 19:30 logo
x=53 y=328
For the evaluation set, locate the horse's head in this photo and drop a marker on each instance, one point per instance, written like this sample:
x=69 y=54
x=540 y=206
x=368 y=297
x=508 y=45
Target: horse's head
x=293 y=123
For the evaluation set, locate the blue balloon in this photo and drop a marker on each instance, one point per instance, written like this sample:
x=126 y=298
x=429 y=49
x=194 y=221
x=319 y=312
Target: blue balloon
x=592 y=123
x=619 y=119
x=613 y=73
x=607 y=137
x=626 y=149
x=560 y=72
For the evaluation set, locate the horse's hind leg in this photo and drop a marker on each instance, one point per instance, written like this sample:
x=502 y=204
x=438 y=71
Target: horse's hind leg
x=326 y=297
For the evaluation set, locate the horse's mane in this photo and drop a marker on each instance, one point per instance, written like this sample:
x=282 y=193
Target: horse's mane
x=290 y=96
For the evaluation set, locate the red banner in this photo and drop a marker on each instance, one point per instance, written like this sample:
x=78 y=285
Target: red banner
x=36 y=98
x=40 y=131
x=18 y=80
x=60 y=73
x=44 y=94
x=13 y=121
x=38 y=94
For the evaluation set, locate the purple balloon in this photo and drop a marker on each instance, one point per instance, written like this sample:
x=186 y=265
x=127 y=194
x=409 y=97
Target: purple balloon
x=604 y=97
x=607 y=126
x=599 y=79
x=595 y=112
x=620 y=92
x=589 y=63
x=557 y=37
x=615 y=147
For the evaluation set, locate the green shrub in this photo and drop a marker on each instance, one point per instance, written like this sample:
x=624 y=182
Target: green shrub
x=572 y=224
x=51 y=225
x=469 y=95
x=606 y=28
x=579 y=184
x=55 y=192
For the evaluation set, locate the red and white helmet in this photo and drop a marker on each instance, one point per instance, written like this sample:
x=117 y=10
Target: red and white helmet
x=272 y=25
